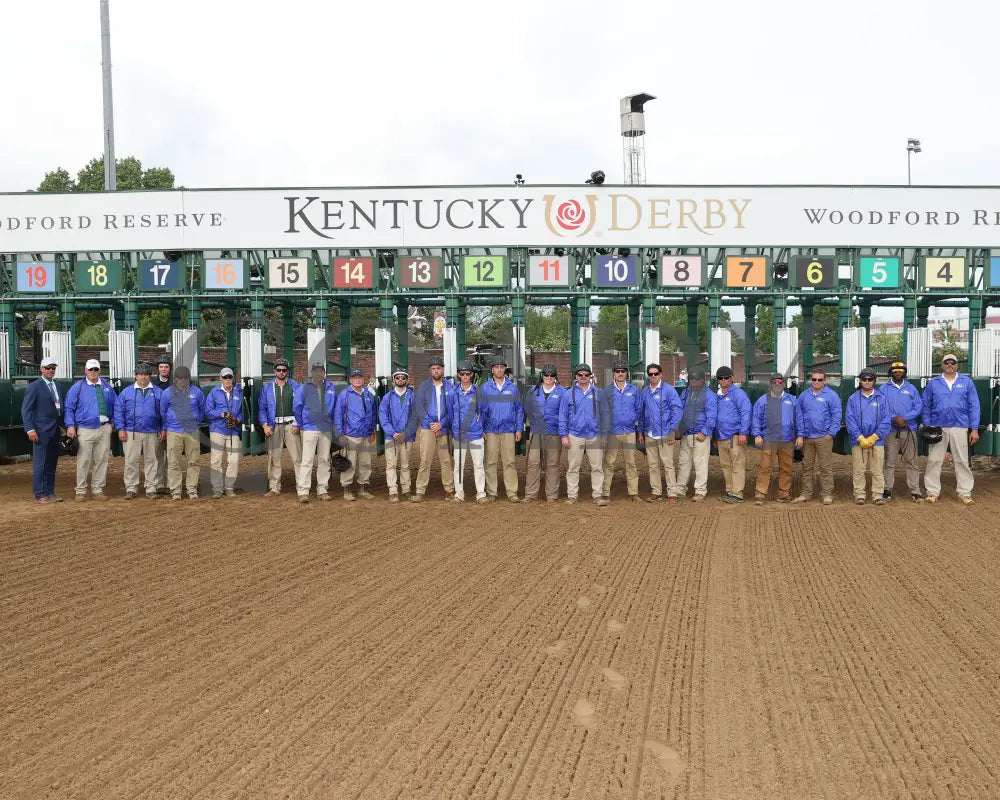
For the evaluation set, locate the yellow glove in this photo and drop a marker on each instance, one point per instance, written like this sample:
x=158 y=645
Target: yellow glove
x=861 y=440
x=872 y=439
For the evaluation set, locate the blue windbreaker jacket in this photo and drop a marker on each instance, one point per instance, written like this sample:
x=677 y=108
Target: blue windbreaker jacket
x=356 y=413
x=216 y=405
x=394 y=412
x=733 y=412
x=543 y=410
x=584 y=414
x=819 y=414
x=266 y=403
x=465 y=419
x=626 y=408
x=183 y=413
x=867 y=415
x=903 y=401
x=705 y=422
x=759 y=425
x=501 y=411
x=311 y=413
x=661 y=410
x=81 y=404
x=957 y=407
x=138 y=412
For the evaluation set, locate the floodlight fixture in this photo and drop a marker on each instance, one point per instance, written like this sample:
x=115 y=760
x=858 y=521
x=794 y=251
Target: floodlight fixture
x=912 y=146
x=596 y=177
x=519 y=179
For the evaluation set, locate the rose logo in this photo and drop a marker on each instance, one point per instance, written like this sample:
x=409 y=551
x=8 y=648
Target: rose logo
x=570 y=215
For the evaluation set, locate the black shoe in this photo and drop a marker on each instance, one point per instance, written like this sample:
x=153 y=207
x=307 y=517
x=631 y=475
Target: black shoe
x=887 y=494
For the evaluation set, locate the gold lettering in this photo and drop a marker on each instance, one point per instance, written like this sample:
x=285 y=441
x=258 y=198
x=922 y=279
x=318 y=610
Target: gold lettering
x=688 y=209
x=713 y=208
x=655 y=212
x=739 y=211
x=614 y=212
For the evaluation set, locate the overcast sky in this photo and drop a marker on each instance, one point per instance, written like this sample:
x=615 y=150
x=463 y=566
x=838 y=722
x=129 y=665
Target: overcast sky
x=440 y=92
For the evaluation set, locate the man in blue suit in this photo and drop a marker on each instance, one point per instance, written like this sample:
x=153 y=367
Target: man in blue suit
x=42 y=415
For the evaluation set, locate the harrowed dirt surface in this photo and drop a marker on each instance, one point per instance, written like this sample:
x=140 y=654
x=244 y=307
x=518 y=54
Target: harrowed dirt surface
x=256 y=648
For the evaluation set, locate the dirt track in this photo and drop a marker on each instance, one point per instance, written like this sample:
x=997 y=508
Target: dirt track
x=255 y=648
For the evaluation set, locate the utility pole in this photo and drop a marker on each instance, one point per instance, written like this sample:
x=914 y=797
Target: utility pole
x=110 y=168
x=912 y=146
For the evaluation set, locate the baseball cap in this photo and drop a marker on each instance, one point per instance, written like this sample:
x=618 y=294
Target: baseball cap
x=400 y=371
x=281 y=362
x=466 y=365
x=226 y=372
x=498 y=361
x=356 y=372
x=867 y=372
x=549 y=369
x=435 y=361
x=619 y=364
x=723 y=372
x=48 y=361
x=581 y=368
x=143 y=368
x=93 y=363
x=697 y=374
x=949 y=356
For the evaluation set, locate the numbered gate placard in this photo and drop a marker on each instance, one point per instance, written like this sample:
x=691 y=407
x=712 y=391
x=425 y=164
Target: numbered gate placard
x=417 y=272
x=876 y=272
x=485 y=272
x=943 y=273
x=813 y=272
x=550 y=270
x=748 y=272
x=159 y=275
x=680 y=271
x=993 y=273
x=225 y=273
x=619 y=272
x=36 y=276
x=289 y=273
x=98 y=276
x=353 y=273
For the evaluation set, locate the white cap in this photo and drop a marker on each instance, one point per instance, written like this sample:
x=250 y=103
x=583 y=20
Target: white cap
x=48 y=361
x=226 y=372
x=93 y=363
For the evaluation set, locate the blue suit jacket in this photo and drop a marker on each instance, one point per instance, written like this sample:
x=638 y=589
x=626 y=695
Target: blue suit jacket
x=38 y=411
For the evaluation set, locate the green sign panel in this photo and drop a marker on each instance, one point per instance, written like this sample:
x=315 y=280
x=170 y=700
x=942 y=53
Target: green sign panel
x=99 y=277
x=485 y=272
x=878 y=272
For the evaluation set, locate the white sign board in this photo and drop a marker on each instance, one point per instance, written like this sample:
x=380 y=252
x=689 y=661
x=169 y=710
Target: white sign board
x=497 y=216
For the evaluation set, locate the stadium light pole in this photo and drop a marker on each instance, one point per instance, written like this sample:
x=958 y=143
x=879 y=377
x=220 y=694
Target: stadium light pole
x=110 y=167
x=912 y=146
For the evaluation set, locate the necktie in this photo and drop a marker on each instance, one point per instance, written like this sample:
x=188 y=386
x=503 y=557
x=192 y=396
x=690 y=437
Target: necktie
x=55 y=394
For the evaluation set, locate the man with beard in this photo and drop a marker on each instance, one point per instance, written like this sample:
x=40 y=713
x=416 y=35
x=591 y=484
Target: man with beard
x=774 y=431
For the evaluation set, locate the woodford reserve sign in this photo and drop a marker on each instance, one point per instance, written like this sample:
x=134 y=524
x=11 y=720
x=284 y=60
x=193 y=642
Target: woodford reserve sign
x=498 y=216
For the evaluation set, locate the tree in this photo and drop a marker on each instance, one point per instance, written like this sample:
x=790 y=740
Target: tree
x=763 y=333
x=886 y=344
x=612 y=333
x=129 y=175
x=826 y=328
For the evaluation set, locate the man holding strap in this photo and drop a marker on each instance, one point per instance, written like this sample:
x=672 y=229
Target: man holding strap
x=278 y=423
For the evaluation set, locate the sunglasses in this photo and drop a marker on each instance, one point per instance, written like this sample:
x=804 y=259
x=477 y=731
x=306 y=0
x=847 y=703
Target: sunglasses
x=620 y=370
x=950 y=361
x=866 y=379
x=281 y=369
x=51 y=366
x=464 y=372
x=818 y=380
x=399 y=377
x=652 y=374
x=583 y=374
x=777 y=383
x=93 y=369
x=227 y=377
x=548 y=374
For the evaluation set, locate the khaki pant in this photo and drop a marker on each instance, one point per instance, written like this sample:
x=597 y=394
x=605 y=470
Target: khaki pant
x=474 y=450
x=230 y=446
x=902 y=445
x=693 y=454
x=500 y=446
x=595 y=455
x=140 y=452
x=785 y=458
x=733 y=459
x=544 y=452
x=865 y=460
x=161 y=467
x=956 y=440
x=397 y=459
x=429 y=445
x=359 y=452
x=183 y=450
x=95 y=446
x=315 y=449
x=817 y=456
x=283 y=436
x=660 y=453
x=623 y=443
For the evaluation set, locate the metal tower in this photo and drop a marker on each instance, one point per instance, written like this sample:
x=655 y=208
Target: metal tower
x=633 y=144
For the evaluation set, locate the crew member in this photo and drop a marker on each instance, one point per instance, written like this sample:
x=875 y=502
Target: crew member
x=700 y=409
x=355 y=416
x=819 y=416
x=42 y=414
x=90 y=404
x=952 y=404
x=182 y=410
x=541 y=405
x=278 y=423
x=503 y=424
x=466 y=427
x=774 y=431
x=313 y=408
x=905 y=405
x=394 y=413
x=430 y=425
x=732 y=426
x=868 y=423
x=661 y=414
x=137 y=419
x=584 y=424
x=224 y=409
